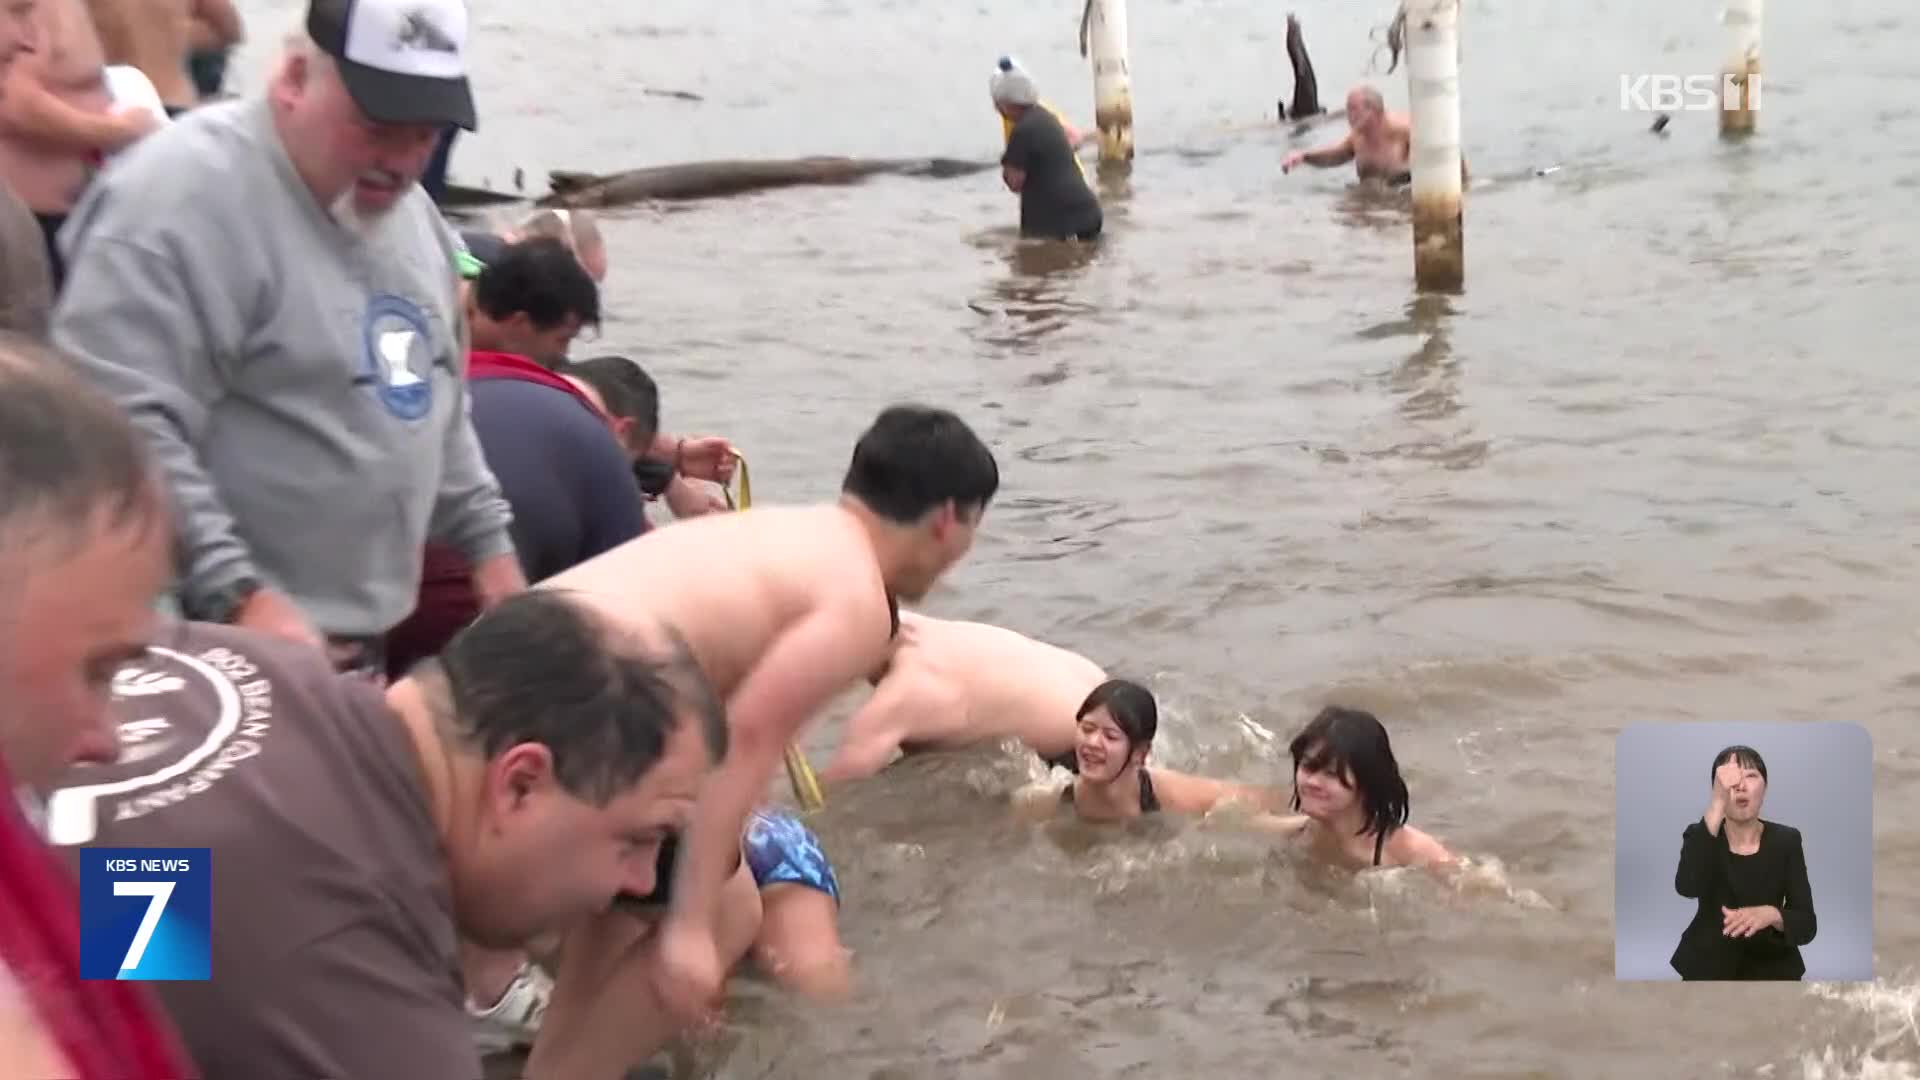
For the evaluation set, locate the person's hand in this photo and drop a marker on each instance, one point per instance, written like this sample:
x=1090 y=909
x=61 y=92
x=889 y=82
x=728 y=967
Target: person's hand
x=1725 y=779
x=689 y=499
x=497 y=578
x=689 y=978
x=1748 y=921
x=1292 y=159
x=705 y=457
x=135 y=122
x=272 y=612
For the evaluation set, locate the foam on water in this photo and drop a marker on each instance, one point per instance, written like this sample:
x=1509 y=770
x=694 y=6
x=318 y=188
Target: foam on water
x=1893 y=1007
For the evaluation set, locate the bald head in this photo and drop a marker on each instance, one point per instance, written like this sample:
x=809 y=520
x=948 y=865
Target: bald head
x=574 y=228
x=1365 y=107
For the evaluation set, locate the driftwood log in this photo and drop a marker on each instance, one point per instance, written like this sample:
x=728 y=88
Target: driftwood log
x=716 y=179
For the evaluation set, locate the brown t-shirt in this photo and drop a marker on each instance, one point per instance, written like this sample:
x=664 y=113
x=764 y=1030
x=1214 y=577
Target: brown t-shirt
x=334 y=948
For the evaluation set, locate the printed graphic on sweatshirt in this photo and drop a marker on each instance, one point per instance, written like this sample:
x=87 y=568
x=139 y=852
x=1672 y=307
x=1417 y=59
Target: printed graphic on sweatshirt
x=185 y=722
x=398 y=350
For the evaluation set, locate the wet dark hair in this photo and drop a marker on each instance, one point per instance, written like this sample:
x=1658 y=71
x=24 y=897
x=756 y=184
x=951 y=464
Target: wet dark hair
x=541 y=667
x=541 y=278
x=1352 y=743
x=1746 y=756
x=68 y=454
x=1132 y=707
x=629 y=392
x=915 y=459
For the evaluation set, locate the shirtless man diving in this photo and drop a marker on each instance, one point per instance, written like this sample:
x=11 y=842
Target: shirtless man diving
x=953 y=684
x=783 y=608
x=1378 y=142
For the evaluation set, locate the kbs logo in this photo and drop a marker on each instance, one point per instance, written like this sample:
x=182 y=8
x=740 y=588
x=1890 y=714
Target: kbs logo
x=145 y=913
x=1688 y=93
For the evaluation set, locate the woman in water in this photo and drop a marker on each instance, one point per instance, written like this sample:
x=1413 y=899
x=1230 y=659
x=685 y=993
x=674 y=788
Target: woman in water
x=1351 y=800
x=1750 y=878
x=1117 y=722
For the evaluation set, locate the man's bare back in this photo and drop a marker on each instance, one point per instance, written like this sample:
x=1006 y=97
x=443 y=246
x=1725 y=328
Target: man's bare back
x=953 y=684
x=733 y=583
x=154 y=36
x=68 y=66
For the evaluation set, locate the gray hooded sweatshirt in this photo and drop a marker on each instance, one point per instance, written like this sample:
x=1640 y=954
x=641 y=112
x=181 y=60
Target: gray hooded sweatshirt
x=303 y=387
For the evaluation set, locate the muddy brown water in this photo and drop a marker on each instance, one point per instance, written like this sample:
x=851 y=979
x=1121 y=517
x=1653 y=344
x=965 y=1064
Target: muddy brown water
x=1657 y=462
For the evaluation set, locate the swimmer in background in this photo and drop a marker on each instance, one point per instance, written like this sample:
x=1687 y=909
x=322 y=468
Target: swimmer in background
x=948 y=685
x=1116 y=726
x=1351 y=800
x=1378 y=142
x=1056 y=201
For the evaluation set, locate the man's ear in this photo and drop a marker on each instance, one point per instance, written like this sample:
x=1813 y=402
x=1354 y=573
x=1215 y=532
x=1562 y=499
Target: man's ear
x=942 y=519
x=514 y=777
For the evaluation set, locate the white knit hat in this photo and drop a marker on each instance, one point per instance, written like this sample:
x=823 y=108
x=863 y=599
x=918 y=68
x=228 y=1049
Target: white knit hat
x=1012 y=86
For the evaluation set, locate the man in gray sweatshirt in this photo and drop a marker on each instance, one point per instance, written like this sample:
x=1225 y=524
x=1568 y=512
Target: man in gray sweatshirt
x=268 y=293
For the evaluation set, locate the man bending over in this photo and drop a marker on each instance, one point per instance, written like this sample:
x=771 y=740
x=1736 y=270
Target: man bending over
x=784 y=608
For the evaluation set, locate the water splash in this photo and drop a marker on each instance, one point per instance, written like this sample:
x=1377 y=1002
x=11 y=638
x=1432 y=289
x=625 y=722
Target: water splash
x=1894 y=1052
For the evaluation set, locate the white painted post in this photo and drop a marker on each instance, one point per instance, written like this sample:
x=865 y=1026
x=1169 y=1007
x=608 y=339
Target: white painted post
x=1112 y=79
x=1740 y=71
x=1433 y=83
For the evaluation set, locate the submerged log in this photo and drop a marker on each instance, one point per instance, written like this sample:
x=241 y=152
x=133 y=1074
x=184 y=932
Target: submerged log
x=717 y=179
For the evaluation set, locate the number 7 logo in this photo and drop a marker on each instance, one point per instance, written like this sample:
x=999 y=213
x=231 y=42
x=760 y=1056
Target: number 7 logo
x=158 y=893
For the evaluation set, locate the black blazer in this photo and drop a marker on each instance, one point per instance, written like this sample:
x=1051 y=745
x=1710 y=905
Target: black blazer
x=1776 y=875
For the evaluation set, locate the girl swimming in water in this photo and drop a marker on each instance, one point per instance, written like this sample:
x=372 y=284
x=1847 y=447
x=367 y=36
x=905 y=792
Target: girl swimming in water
x=1117 y=723
x=1351 y=801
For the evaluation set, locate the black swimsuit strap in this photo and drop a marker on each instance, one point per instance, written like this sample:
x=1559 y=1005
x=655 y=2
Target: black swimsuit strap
x=1149 y=802
x=1379 y=840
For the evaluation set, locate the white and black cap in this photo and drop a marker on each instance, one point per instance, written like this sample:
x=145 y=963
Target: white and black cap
x=404 y=61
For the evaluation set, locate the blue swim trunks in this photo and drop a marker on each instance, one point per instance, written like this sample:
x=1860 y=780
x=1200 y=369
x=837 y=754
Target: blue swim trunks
x=779 y=849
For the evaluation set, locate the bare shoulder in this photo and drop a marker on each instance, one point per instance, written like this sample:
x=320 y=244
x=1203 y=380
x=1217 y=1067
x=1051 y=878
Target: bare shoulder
x=1411 y=847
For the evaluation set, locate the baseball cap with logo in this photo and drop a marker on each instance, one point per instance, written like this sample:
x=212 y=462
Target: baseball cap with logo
x=404 y=61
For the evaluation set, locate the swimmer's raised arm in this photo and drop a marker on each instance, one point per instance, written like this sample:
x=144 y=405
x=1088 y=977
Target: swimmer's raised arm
x=1334 y=153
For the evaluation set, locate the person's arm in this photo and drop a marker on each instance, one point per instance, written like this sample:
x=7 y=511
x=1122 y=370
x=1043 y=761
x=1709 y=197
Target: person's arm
x=31 y=112
x=804 y=668
x=1018 y=156
x=1694 y=877
x=1797 y=919
x=150 y=330
x=1185 y=793
x=469 y=512
x=872 y=734
x=1336 y=153
x=702 y=457
x=216 y=26
x=689 y=498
